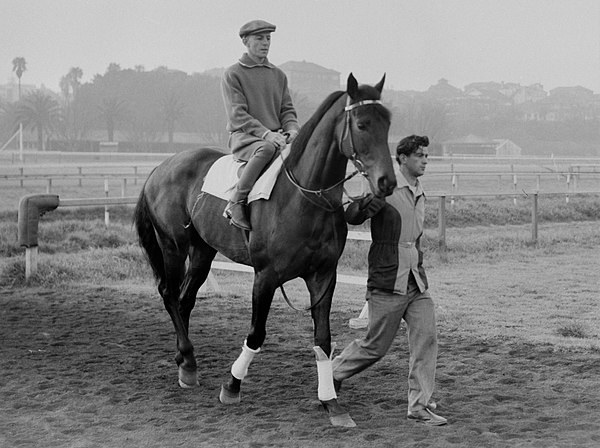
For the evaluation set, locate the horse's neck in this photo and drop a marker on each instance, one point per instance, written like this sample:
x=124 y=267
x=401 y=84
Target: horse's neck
x=322 y=163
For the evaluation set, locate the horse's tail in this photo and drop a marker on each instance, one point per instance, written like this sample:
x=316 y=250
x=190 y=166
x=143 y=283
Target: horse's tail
x=142 y=220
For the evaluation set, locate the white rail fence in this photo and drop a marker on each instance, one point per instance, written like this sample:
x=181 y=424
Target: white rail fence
x=489 y=178
x=29 y=220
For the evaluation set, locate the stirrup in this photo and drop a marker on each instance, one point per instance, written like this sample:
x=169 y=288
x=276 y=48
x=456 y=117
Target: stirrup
x=240 y=221
x=230 y=205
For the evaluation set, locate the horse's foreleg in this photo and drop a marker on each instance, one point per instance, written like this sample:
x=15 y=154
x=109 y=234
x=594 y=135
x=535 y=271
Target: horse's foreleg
x=262 y=297
x=321 y=291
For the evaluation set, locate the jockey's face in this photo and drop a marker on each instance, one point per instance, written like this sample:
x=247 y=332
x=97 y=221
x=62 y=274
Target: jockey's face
x=258 y=45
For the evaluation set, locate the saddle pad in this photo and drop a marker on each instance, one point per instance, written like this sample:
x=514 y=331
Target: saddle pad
x=222 y=177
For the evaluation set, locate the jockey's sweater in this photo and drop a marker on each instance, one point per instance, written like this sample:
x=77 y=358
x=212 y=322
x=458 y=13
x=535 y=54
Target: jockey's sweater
x=396 y=231
x=257 y=100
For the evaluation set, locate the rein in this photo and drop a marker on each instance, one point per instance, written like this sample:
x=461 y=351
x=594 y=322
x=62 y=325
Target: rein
x=288 y=301
x=353 y=157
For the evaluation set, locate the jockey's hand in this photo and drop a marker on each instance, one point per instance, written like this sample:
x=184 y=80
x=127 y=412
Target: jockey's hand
x=290 y=136
x=371 y=204
x=276 y=138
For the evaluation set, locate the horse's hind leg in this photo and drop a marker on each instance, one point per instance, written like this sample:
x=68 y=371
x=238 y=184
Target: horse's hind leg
x=169 y=287
x=201 y=256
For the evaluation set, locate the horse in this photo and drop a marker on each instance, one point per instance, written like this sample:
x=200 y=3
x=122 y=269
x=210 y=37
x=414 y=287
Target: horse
x=299 y=232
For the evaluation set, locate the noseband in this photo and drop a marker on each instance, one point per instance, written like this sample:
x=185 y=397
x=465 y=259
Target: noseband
x=353 y=157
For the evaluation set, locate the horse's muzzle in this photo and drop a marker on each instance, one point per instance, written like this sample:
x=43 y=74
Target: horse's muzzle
x=386 y=185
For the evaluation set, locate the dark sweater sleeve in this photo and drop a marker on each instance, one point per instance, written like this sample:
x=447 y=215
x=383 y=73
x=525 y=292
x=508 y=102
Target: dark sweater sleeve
x=359 y=211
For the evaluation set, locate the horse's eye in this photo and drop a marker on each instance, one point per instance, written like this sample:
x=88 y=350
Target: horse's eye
x=361 y=126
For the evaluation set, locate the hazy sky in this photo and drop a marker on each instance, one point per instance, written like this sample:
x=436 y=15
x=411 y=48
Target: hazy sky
x=417 y=42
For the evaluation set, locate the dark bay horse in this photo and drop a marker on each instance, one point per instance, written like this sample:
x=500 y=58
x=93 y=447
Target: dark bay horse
x=299 y=232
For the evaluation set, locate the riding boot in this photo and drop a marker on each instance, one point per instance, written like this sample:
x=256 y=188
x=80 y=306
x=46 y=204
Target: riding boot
x=236 y=208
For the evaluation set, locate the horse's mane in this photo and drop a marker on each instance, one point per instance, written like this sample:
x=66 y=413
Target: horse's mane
x=306 y=131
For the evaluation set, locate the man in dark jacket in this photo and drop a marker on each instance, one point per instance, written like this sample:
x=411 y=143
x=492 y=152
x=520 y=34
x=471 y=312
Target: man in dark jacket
x=397 y=284
x=261 y=118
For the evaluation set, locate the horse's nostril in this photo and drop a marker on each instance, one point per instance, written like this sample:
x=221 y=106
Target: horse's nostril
x=386 y=185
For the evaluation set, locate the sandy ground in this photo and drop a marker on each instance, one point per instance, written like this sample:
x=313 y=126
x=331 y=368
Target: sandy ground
x=90 y=366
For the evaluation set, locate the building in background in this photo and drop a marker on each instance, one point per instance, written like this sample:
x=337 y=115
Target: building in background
x=473 y=145
x=311 y=80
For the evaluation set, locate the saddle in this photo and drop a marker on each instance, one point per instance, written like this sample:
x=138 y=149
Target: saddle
x=223 y=176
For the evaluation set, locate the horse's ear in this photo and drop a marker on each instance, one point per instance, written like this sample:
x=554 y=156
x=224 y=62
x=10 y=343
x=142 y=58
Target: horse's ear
x=352 y=87
x=379 y=85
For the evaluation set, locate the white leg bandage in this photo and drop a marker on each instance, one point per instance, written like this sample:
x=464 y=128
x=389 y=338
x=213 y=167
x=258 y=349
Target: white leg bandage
x=326 y=390
x=239 y=369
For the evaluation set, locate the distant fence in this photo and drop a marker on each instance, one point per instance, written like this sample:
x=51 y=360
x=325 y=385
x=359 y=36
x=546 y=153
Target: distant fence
x=31 y=206
x=474 y=174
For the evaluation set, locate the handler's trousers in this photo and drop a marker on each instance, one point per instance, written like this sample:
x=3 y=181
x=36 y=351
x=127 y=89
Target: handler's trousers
x=385 y=313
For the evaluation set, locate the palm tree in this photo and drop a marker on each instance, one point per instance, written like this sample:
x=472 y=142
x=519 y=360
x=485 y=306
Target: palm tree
x=71 y=82
x=19 y=66
x=111 y=110
x=40 y=112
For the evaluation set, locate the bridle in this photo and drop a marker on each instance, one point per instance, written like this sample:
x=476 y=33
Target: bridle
x=353 y=157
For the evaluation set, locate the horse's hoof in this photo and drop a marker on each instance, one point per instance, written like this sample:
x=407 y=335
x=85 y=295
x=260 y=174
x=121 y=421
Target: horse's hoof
x=228 y=397
x=343 y=420
x=337 y=414
x=187 y=379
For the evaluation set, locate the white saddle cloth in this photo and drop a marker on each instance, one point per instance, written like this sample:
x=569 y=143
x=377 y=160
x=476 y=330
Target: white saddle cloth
x=222 y=177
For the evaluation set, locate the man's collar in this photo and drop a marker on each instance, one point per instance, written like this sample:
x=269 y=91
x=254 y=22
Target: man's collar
x=403 y=182
x=247 y=61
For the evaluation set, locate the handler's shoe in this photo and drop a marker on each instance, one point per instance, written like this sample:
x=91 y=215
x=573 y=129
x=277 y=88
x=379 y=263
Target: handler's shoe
x=427 y=417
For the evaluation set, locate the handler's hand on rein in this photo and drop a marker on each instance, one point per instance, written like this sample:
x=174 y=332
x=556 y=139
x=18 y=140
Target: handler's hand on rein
x=371 y=204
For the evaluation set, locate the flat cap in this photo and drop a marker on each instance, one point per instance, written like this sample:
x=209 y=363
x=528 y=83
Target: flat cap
x=256 y=27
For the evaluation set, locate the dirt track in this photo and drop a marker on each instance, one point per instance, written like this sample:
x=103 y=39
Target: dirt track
x=92 y=367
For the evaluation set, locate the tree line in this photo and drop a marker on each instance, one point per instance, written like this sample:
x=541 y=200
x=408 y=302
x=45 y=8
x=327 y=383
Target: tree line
x=141 y=108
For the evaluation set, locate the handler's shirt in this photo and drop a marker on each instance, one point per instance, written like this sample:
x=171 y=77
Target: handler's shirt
x=396 y=232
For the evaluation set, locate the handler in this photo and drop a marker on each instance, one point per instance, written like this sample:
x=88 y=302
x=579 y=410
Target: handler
x=261 y=118
x=397 y=284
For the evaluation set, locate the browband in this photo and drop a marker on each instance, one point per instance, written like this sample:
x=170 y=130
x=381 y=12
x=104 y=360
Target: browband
x=361 y=103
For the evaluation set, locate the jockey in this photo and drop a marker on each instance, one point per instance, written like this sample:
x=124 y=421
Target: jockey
x=261 y=118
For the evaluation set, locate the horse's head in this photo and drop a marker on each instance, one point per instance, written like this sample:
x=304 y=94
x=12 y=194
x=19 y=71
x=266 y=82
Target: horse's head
x=365 y=135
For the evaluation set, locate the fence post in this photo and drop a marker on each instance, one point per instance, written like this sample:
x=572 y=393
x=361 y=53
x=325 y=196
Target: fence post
x=454 y=187
x=568 y=186
x=21 y=171
x=106 y=214
x=80 y=169
x=442 y=224
x=135 y=173
x=31 y=207
x=515 y=187
x=124 y=187
x=534 y=219
x=31 y=261
x=49 y=186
